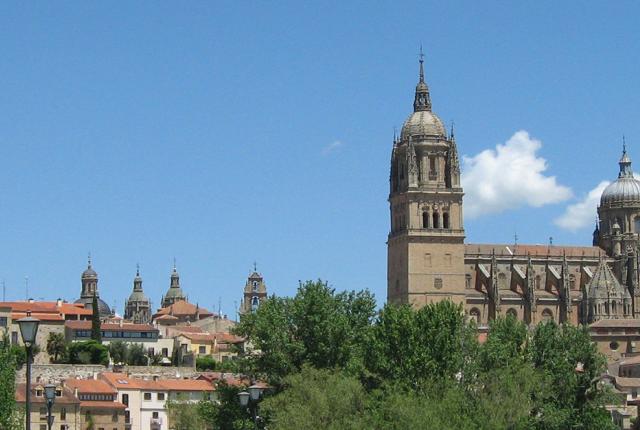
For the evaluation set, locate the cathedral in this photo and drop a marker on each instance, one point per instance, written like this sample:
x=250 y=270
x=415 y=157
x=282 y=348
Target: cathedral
x=428 y=259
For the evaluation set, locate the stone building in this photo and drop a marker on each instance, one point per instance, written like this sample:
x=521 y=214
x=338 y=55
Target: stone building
x=428 y=259
x=255 y=292
x=138 y=307
x=89 y=281
x=174 y=293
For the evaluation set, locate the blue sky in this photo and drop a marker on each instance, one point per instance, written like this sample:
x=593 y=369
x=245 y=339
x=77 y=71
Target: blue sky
x=220 y=133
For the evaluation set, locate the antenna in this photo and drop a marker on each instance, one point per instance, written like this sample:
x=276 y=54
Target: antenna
x=26 y=287
x=235 y=308
x=4 y=291
x=219 y=306
x=515 y=238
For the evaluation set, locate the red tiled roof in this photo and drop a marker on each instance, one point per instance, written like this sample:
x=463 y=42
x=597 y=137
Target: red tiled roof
x=67 y=396
x=122 y=381
x=186 y=329
x=186 y=385
x=533 y=250
x=166 y=317
x=86 y=325
x=183 y=308
x=630 y=360
x=101 y=404
x=47 y=307
x=90 y=386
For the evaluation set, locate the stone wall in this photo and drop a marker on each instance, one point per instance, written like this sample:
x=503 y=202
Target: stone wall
x=46 y=373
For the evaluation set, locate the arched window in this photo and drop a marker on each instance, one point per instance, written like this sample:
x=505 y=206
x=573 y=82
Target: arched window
x=254 y=302
x=437 y=283
x=572 y=282
x=502 y=281
x=538 y=282
x=474 y=314
x=636 y=225
x=255 y=286
x=613 y=308
x=467 y=281
x=436 y=220
x=425 y=219
x=445 y=220
x=547 y=315
x=512 y=312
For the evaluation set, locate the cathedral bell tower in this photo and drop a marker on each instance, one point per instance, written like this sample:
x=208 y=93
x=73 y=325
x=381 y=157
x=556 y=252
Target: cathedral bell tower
x=425 y=247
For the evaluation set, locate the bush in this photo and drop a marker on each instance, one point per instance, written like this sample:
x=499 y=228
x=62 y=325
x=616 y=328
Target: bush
x=88 y=352
x=205 y=363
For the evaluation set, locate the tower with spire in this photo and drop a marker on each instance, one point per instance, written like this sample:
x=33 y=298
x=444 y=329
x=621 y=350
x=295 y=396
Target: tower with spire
x=89 y=281
x=174 y=293
x=255 y=292
x=137 y=307
x=425 y=245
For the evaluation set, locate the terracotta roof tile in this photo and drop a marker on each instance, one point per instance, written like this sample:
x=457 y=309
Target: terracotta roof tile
x=90 y=386
x=39 y=315
x=630 y=360
x=67 y=396
x=186 y=385
x=47 y=307
x=183 y=308
x=621 y=323
x=533 y=250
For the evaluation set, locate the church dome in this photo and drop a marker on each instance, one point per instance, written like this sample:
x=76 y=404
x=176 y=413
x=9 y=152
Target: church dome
x=422 y=123
x=625 y=189
x=103 y=307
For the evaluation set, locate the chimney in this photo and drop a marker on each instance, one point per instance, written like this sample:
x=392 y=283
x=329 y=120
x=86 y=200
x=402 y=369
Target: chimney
x=155 y=377
x=95 y=376
x=30 y=300
x=75 y=392
x=58 y=302
x=121 y=322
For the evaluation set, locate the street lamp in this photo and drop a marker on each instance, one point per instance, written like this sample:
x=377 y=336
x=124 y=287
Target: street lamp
x=28 y=330
x=250 y=400
x=50 y=395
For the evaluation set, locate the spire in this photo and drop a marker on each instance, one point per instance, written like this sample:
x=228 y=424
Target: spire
x=625 y=162
x=421 y=65
x=89 y=261
x=422 y=100
x=137 y=281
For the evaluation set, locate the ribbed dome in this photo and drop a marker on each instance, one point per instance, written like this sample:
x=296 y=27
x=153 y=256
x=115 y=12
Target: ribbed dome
x=622 y=190
x=625 y=189
x=103 y=307
x=89 y=273
x=422 y=123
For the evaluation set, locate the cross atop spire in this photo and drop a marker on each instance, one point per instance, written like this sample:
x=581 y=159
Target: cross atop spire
x=422 y=99
x=137 y=269
x=421 y=56
x=625 y=162
x=89 y=260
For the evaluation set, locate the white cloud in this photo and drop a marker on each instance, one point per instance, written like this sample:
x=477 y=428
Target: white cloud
x=582 y=214
x=509 y=177
x=332 y=147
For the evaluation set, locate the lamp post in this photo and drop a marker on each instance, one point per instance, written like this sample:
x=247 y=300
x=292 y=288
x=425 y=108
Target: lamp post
x=250 y=401
x=50 y=395
x=28 y=330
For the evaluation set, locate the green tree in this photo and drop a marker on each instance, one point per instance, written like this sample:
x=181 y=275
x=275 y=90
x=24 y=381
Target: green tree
x=205 y=363
x=184 y=415
x=570 y=361
x=318 y=326
x=96 y=333
x=88 y=352
x=415 y=347
x=9 y=416
x=317 y=399
x=137 y=356
x=56 y=347
x=118 y=351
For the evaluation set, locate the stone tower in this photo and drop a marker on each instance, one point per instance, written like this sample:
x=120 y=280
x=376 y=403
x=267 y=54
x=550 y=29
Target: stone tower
x=137 y=307
x=255 y=292
x=425 y=246
x=618 y=230
x=89 y=280
x=174 y=294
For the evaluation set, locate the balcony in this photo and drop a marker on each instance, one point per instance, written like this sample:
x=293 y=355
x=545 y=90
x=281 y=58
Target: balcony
x=156 y=421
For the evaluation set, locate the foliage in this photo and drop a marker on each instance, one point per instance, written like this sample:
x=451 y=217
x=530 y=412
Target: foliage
x=132 y=354
x=19 y=352
x=317 y=399
x=318 y=326
x=96 y=333
x=56 y=347
x=208 y=363
x=335 y=364
x=9 y=416
x=226 y=413
x=415 y=347
x=88 y=352
x=184 y=415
